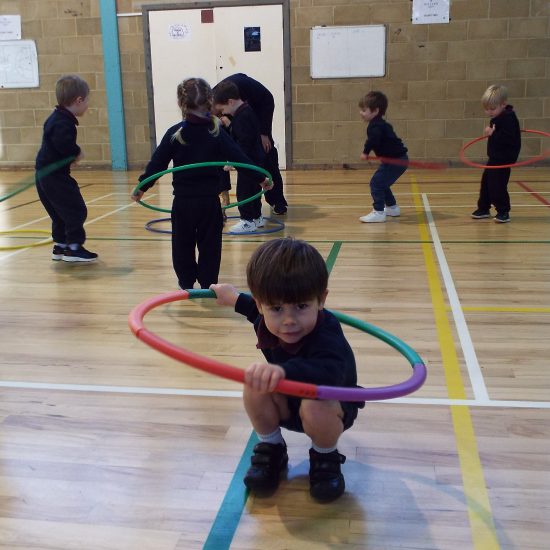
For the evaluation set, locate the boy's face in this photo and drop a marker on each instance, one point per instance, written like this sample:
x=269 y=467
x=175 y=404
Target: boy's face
x=228 y=108
x=367 y=115
x=292 y=322
x=493 y=112
x=80 y=105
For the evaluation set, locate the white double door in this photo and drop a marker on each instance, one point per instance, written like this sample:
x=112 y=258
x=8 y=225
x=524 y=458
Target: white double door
x=184 y=46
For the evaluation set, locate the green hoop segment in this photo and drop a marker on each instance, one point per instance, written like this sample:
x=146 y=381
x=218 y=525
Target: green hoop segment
x=203 y=165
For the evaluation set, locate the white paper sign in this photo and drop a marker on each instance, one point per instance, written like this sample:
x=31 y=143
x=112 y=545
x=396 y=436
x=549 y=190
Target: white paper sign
x=430 y=11
x=10 y=27
x=18 y=64
x=179 y=31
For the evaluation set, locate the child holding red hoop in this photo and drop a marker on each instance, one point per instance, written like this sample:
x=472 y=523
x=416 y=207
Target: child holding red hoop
x=503 y=147
x=301 y=341
x=197 y=220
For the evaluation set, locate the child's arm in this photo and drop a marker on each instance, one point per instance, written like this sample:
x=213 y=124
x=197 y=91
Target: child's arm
x=226 y=295
x=263 y=377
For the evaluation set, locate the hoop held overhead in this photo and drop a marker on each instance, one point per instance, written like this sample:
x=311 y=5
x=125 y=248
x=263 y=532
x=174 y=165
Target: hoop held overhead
x=289 y=387
x=203 y=165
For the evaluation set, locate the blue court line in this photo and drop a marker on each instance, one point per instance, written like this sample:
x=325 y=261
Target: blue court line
x=230 y=512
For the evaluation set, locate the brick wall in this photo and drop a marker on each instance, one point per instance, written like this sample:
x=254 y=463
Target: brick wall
x=435 y=75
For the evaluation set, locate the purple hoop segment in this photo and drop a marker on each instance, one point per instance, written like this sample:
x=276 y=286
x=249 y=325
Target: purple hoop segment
x=288 y=387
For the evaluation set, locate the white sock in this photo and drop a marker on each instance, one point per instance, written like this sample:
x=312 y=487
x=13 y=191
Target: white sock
x=61 y=245
x=274 y=437
x=74 y=246
x=323 y=450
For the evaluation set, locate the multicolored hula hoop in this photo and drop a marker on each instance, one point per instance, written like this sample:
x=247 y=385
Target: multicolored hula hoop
x=299 y=389
x=203 y=165
x=532 y=160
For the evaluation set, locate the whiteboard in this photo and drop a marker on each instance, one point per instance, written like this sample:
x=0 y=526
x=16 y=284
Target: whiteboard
x=18 y=64
x=348 y=51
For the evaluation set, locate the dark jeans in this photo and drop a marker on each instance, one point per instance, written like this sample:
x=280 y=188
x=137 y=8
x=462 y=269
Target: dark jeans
x=494 y=190
x=382 y=180
x=61 y=197
x=197 y=223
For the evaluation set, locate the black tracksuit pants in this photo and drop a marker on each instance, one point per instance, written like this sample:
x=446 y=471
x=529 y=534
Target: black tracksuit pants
x=494 y=190
x=197 y=223
x=63 y=202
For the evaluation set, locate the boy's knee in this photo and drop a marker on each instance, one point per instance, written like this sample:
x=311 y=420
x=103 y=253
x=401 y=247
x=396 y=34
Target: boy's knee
x=314 y=412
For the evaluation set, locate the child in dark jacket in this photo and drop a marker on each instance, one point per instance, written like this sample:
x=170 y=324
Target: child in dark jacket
x=197 y=220
x=245 y=130
x=503 y=147
x=57 y=189
x=382 y=139
x=300 y=341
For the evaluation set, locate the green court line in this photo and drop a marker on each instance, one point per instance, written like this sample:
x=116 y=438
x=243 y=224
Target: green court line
x=229 y=515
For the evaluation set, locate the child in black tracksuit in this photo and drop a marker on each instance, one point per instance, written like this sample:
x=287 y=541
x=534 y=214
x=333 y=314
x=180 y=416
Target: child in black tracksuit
x=263 y=104
x=197 y=220
x=503 y=147
x=245 y=130
x=301 y=341
x=57 y=190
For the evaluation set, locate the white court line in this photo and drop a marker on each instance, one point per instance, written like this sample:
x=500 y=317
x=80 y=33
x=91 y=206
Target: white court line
x=132 y=203
x=472 y=364
x=238 y=394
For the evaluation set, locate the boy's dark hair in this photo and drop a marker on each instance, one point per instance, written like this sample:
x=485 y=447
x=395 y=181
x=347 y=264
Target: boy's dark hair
x=69 y=88
x=224 y=91
x=374 y=100
x=286 y=271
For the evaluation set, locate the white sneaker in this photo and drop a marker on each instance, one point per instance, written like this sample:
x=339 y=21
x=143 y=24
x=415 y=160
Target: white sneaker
x=244 y=226
x=374 y=217
x=393 y=211
x=260 y=222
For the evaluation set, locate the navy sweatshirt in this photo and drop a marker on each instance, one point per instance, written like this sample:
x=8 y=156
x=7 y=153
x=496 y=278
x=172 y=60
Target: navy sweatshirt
x=382 y=139
x=258 y=97
x=200 y=146
x=324 y=358
x=504 y=145
x=58 y=140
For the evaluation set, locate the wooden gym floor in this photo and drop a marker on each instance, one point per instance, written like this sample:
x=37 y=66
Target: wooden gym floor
x=107 y=444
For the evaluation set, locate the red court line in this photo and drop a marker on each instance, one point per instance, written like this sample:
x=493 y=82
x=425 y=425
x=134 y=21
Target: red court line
x=534 y=193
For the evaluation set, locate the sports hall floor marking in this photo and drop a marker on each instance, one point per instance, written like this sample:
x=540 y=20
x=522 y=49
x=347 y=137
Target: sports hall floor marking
x=479 y=507
x=538 y=196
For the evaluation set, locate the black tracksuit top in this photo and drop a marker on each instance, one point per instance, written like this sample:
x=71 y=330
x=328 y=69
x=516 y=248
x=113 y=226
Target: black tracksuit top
x=504 y=145
x=382 y=139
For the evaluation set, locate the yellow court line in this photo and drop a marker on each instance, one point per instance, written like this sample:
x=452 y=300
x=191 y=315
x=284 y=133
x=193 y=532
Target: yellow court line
x=507 y=309
x=477 y=499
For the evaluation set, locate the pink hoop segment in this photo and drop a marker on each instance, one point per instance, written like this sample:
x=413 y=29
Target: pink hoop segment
x=532 y=160
x=410 y=163
x=217 y=368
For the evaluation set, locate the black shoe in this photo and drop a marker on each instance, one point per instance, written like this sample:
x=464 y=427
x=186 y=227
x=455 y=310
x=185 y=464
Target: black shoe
x=57 y=252
x=480 y=214
x=267 y=464
x=326 y=481
x=78 y=255
x=502 y=218
x=280 y=209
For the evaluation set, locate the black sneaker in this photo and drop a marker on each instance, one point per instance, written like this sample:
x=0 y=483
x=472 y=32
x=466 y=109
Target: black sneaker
x=78 y=255
x=267 y=464
x=326 y=481
x=280 y=209
x=502 y=218
x=57 y=252
x=480 y=214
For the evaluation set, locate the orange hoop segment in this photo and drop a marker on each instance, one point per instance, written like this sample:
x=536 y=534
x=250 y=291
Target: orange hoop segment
x=532 y=160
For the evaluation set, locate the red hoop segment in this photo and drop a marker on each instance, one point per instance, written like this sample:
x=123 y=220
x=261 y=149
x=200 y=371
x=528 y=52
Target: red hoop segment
x=135 y=320
x=532 y=160
x=410 y=163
